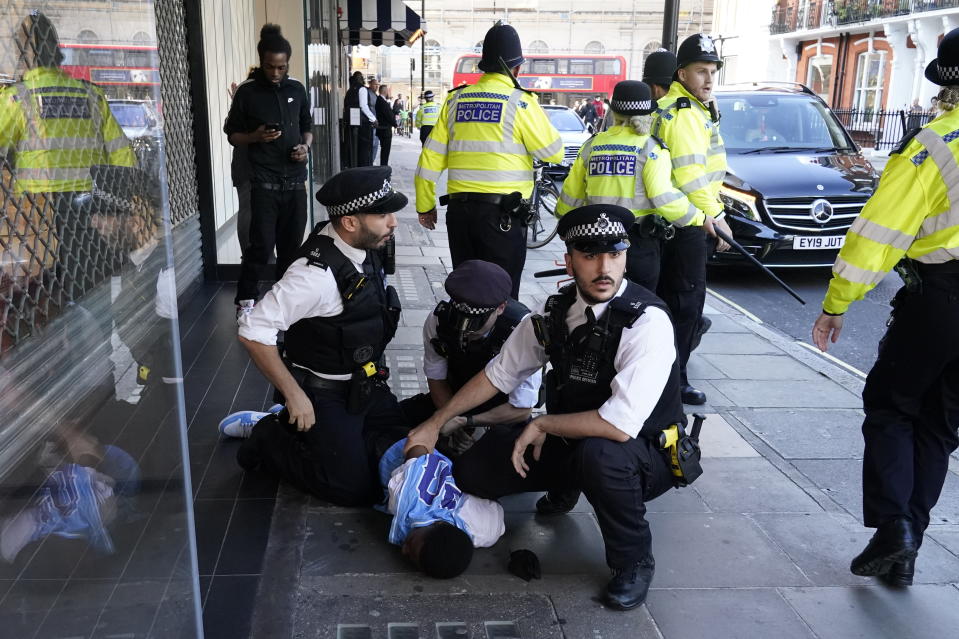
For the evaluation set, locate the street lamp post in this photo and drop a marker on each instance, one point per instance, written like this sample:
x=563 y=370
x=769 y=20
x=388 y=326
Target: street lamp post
x=423 y=51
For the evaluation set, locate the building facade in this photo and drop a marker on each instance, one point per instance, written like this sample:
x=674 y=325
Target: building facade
x=864 y=55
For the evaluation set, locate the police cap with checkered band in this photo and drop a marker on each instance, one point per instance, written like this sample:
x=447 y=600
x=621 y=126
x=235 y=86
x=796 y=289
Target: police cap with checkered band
x=944 y=70
x=632 y=97
x=596 y=228
x=365 y=189
x=477 y=287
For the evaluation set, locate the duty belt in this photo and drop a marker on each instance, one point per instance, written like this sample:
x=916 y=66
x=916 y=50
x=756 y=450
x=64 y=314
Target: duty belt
x=488 y=198
x=945 y=268
x=284 y=186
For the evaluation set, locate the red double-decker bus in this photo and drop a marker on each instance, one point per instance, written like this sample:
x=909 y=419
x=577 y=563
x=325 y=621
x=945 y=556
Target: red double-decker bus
x=562 y=79
x=122 y=71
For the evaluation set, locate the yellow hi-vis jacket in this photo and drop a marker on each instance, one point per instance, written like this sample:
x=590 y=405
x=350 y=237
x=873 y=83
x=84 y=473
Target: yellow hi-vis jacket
x=486 y=138
x=427 y=114
x=56 y=127
x=914 y=212
x=698 y=154
x=619 y=166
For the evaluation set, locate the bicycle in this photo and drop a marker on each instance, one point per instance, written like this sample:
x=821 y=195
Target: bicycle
x=542 y=221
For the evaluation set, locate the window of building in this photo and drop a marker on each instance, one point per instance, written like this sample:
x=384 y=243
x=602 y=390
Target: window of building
x=595 y=47
x=869 y=76
x=433 y=61
x=652 y=45
x=819 y=76
x=478 y=47
x=537 y=46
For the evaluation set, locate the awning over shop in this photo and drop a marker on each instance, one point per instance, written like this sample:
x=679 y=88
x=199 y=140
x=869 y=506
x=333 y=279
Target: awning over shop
x=378 y=22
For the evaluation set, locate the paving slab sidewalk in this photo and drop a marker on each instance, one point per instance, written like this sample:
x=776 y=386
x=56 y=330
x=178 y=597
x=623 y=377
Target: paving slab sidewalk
x=758 y=546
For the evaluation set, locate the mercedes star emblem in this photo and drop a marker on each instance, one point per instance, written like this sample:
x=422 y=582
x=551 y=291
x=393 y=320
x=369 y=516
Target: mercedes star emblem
x=821 y=211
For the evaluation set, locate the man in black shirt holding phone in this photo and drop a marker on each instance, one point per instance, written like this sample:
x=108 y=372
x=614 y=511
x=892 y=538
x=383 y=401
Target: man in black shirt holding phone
x=270 y=114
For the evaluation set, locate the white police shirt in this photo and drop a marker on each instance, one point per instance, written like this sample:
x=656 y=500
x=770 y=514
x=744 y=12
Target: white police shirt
x=437 y=367
x=643 y=362
x=303 y=291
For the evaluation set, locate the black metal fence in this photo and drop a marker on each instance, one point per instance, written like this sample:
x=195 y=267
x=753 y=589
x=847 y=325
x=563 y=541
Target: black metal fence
x=881 y=129
x=796 y=16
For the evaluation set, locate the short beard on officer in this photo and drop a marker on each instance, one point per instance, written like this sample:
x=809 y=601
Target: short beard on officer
x=363 y=236
x=598 y=276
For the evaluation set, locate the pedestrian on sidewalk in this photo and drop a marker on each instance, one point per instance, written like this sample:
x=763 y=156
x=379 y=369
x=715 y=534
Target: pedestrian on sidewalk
x=339 y=316
x=373 y=95
x=612 y=390
x=488 y=135
x=687 y=121
x=911 y=397
x=628 y=167
x=460 y=337
x=270 y=115
x=386 y=122
x=360 y=117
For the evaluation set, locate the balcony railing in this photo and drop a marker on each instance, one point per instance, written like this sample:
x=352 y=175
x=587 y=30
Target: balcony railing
x=799 y=16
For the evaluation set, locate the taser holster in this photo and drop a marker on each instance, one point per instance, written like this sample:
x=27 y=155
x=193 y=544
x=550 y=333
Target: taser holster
x=683 y=451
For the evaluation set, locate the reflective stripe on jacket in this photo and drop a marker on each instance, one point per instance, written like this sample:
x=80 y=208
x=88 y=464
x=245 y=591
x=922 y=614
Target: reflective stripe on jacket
x=698 y=154
x=56 y=127
x=914 y=212
x=630 y=170
x=486 y=138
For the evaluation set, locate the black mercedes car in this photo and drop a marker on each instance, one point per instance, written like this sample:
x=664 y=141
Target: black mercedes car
x=795 y=181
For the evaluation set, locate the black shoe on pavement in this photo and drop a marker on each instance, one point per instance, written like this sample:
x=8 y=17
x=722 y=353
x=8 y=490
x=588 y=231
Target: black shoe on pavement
x=558 y=502
x=692 y=396
x=629 y=586
x=701 y=329
x=901 y=574
x=893 y=543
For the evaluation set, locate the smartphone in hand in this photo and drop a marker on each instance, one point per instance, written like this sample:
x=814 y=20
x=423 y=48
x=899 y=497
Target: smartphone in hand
x=273 y=126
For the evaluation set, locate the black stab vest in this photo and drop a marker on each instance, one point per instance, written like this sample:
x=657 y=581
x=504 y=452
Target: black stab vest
x=583 y=371
x=463 y=365
x=341 y=344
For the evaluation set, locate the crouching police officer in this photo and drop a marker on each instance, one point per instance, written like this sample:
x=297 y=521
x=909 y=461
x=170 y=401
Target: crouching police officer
x=338 y=315
x=911 y=397
x=460 y=337
x=626 y=166
x=688 y=122
x=486 y=138
x=614 y=387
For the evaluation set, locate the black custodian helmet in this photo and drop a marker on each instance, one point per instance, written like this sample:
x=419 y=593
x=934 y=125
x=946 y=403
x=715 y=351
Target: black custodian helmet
x=501 y=41
x=698 y=47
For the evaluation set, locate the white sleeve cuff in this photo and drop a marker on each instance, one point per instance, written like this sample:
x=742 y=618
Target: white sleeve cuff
x=263 y=336
x=623 y=422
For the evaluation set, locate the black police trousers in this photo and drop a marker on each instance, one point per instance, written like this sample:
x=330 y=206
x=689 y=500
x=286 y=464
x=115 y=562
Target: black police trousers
x=682 y=285
x=643 y=258
x=617 y=479
x=476 y=233
x=425 y=131
x=911 y=401
x=277 y=220
x=337 y=459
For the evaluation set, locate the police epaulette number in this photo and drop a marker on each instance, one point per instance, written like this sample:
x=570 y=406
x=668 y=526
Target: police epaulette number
x=315 y=258
x=683 y=103
x=906 y=139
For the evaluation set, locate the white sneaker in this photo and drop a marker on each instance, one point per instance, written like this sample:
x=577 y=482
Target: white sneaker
x=245 y=307
x=240 y=424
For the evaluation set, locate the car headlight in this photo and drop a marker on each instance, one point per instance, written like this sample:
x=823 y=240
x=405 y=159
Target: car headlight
x=738 y=202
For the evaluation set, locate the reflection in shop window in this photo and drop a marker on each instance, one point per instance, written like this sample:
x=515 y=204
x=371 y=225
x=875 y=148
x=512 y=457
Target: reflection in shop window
x=869 y=75
x=819 y=76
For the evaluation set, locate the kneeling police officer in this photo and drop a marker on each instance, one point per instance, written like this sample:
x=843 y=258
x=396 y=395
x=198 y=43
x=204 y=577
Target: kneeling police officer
x=460 y=337
x=613 y=390
x=339 y=315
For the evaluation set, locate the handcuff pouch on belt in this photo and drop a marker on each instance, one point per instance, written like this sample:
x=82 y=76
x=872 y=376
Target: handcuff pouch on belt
x=682 y=451
x=515 y=209
x=908 y=270
x=655 y=226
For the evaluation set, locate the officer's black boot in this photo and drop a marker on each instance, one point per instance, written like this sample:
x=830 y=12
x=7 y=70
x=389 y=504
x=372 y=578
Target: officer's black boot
x=558 y=502
x=629 y=586
x=692 y=395
x=894 y=543
x=701 y=329
x=901 y=574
